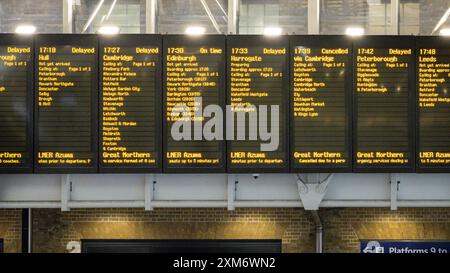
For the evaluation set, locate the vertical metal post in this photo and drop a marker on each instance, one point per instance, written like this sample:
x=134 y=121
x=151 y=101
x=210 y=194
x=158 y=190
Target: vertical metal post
x=231 y=191
x=395 y=17
x=151 y=12
x=313 y=16
x=30 y=230
x=150 y=180
x=233 y=13
x=26 y=230
x=65 y=192
x=67 y=16
x=394 y=180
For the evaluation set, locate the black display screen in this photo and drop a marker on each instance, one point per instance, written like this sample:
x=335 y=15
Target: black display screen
x=384 y=95
x=130 y=103
x=433 y=104
x=194 y=81
x=320 y=103
x=16 y=104
x=66 y=99
x=258 y=87
x=216 y=103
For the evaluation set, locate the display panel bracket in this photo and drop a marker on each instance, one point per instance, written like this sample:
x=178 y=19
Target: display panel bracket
x=150 y=184
x=394 y=180
x=312 y=194
x=66 y=190
x=232 y=182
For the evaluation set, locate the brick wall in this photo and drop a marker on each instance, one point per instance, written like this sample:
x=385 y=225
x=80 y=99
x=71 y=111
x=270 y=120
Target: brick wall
x=344 y=228
x=10 y=229
x=53 y=229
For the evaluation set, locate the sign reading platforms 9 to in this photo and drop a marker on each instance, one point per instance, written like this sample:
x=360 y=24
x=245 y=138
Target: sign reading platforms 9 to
x=402 y=247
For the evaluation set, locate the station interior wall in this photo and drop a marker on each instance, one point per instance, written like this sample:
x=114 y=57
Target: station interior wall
x=53 y=229
x=343 y=227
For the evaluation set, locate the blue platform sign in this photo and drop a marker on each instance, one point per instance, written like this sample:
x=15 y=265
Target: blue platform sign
x=425 y=247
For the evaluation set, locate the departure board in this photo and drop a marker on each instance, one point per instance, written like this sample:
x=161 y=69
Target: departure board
x=258 y=93
x=194 y=84
x=16 y=104
x=320 y=103
x=433 y=104
x=66 y=99
x=130 y=103
x=384 y=97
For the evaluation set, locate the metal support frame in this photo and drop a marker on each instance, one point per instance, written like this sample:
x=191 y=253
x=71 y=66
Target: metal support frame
x=224 y=204
x=151 y=12
x=149 y=191
x=210 y=16
x=321 y=186
x=441 y=21
x=302 y=188
x=313 y=16
x=395 y=182
x=233 y=15
x=312 y=194
x=67 y=16
x=150 y=183
x=66 y=189
x=110 y=10
x=92 y=16
x=395 y=17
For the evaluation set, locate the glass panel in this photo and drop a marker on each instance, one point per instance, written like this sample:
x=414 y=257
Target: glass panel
x=290 y=15
x=372 y=15
x=128 y=15
x=174 y=16
x=421 y=17
x=45 y=15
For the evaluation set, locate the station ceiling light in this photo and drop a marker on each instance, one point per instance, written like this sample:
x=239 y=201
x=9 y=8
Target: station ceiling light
x=444 y=32
x=25 y=29
x=195 y=30
x=354 y=31
x=273 y=31
x=109 y=30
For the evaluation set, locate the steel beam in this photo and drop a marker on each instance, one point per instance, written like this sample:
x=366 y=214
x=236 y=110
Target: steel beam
x=224 y=204
x=394 y=181
x=313 y=16
x=150 y=182
x=395 y=17
x=67 y=16
x=233 y=16
x=210 y=16
x=151 y=13
x=65 y=191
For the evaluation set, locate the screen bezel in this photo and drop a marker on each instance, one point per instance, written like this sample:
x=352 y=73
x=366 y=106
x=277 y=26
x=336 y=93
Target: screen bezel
x=90 y=40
